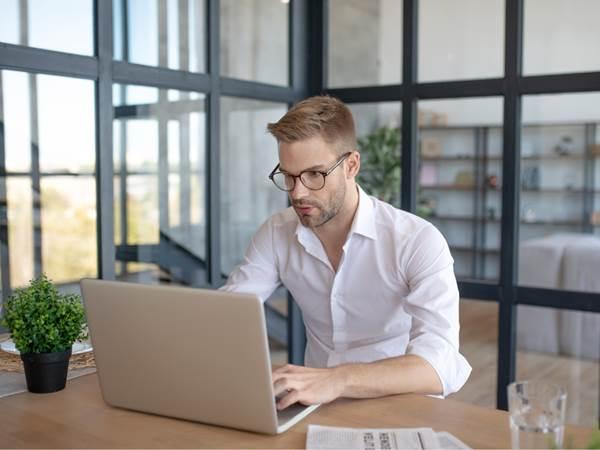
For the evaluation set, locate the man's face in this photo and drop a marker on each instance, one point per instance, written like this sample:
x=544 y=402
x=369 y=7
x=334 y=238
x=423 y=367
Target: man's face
x=314 y=208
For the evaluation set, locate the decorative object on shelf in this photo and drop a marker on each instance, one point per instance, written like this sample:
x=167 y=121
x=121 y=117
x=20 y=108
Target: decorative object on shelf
x=595 y=218
x=530 y=178
x=490 y=213
x=595 y=150
x=565 y=147
x=44 y=324
x=491 y=181
x=570 y=180
x=427 y=207
x=528 y=150
x=429 y=118
x=528 y=214
x=430 y=147
x=428 y=175
x=380 y=164
x=464 y=178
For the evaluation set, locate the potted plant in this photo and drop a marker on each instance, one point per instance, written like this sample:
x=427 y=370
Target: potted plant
x=381 y=169
x=44 y=324
x=380 y=164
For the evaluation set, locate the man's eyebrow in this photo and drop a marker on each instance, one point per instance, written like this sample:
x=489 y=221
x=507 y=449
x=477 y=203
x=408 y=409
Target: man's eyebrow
x=318 y=167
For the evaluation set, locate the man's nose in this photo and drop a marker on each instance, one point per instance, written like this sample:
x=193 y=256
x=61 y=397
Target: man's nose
x=299 y=191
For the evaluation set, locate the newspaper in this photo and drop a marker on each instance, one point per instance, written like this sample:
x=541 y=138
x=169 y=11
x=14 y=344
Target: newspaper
x=321 y=437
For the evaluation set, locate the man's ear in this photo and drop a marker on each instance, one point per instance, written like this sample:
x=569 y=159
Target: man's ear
x=353 y=164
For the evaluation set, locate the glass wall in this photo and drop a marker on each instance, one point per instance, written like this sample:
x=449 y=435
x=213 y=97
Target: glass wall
x=462 y=39
x=254 y=40
x=479 y=345
x=159 y=163
x=49 y=180
x=61 y=25
x=248 y=155
x=561 y=36
x=562 y=347
x=560 y=192
x=365 y=42
x=165 y=33
x=460 y=179
x=379 y=143
x=162 y=182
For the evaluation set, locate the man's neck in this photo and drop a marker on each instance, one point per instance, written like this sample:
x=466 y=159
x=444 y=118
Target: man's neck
x=333 y=234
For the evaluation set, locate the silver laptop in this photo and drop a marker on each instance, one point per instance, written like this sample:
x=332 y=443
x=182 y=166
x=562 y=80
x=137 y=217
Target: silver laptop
x=194 y=354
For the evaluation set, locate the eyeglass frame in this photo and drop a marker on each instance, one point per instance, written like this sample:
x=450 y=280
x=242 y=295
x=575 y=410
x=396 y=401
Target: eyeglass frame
x=324 y=174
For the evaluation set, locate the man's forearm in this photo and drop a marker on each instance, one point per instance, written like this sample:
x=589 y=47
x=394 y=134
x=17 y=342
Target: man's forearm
x=402 y=374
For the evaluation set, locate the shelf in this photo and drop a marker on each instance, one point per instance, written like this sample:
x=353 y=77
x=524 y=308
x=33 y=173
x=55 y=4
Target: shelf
x=470 y=158
x=453 y=187
x=474 y=250
x=447 y=187
x=497 y=220
x=499 y=126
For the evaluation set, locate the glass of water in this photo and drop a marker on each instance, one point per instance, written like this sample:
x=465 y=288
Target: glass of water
x=537 y=414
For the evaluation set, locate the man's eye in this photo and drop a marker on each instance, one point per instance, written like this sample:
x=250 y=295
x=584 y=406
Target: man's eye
x=312 y=175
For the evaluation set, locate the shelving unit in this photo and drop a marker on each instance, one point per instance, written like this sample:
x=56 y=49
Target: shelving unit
x=559 y=192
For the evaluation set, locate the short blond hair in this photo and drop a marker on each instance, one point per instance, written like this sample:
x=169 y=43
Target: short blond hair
x=323 y=116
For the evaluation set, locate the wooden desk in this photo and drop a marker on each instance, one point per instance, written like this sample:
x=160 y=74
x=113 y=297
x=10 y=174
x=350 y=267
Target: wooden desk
x=78 y=417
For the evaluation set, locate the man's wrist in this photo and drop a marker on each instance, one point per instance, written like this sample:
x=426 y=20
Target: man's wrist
x=344 y=378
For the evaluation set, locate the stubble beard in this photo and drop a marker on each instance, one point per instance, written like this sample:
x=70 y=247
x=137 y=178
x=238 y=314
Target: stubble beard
x=327 y=212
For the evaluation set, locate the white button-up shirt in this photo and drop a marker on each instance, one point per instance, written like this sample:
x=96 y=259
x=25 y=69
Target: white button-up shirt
x=394 y=292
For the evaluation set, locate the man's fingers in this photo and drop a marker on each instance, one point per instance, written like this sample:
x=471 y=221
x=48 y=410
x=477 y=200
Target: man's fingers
x=285 y=369
x=286 y=383
x=288 y=400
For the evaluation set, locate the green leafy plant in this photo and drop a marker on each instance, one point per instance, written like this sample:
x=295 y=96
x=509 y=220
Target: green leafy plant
x=380 y=164
x=41 y=320
x=593 y=443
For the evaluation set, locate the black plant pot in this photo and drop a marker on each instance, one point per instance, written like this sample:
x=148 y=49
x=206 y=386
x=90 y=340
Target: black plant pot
x=46 y=372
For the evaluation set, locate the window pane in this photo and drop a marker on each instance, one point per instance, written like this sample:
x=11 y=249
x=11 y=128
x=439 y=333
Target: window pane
x=479 y=345
x=62 y=102
x=365 y=42
x=378 y=132
x=462 y=39
x=20 y=229
x=159 y=154
x=69 y=228
x=561 y=36
x=460 y=179
x=9 y=21
x=560 y=194
x=248 y=154
x=254 y=40
x=62 y=25
x=40 y=111
x=17 y=119
x=168 y=33
x=561 y=347
x=248 y=197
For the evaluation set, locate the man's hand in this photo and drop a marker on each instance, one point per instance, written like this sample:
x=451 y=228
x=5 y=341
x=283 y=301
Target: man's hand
x=307 y=385
x=397 y=375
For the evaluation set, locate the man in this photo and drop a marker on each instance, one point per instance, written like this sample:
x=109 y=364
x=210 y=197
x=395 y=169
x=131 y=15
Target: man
x=375 y=284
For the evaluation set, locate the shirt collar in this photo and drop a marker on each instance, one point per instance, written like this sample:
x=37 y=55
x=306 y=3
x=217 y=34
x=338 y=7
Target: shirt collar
x=363 y=223
x=364 y=219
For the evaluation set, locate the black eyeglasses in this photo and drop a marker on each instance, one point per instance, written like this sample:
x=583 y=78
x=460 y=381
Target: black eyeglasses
x=312 y=179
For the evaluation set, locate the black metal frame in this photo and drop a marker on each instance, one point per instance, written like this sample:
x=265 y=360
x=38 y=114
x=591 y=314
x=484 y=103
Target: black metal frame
x=511 y=87
x=309 y=25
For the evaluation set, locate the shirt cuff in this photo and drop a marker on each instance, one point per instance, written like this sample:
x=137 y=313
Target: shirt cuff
x=450 y=366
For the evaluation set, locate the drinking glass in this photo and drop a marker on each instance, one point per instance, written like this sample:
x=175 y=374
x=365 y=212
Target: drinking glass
x=537 y=414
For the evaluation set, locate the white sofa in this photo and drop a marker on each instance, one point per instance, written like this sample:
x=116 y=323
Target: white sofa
x=562 y=261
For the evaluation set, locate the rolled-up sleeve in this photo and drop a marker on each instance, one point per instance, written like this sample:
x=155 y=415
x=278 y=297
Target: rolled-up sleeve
x=257 y=274
x=433 y=304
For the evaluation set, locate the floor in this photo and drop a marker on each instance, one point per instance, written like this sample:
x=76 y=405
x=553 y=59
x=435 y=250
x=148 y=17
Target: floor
x=479 y=331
